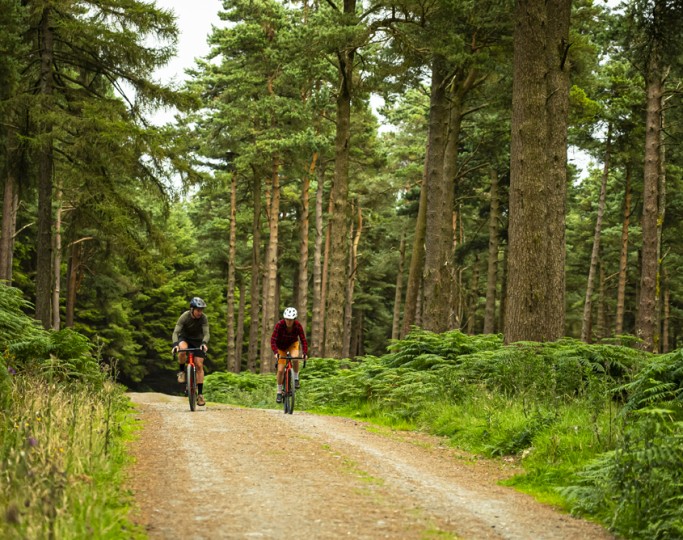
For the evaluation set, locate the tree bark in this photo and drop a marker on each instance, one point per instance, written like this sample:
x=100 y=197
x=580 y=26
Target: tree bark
x=239 y=339
x=318 y=307
x=334 y=319
x=270 y=307
x=492 y=267
x=601 y=316
x=646 y=318
x=74 y=280
x=666 y=315
x=661 y=211
x=323 y=288
x=417 y=258
x=586 y=326
x=45 y=164
x=623 y=255
x=538 y=176
x=398 y=295
x=252 y=351
x=10 y=205
x=473 y=296
x=302 y=300
x=232 y=363
x=57 y=261
x=353 y=267
x=438 y=237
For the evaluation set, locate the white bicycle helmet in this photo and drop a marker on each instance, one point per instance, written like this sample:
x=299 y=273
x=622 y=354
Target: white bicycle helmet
x=290 y=313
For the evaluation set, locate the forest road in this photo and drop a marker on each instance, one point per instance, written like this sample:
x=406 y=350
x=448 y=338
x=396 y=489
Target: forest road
x=227 y=472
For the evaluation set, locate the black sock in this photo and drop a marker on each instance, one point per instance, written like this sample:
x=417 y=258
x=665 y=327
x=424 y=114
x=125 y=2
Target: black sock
x=199 y=387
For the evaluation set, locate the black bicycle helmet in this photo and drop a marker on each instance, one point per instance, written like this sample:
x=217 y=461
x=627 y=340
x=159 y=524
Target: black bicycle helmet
x=197 y=303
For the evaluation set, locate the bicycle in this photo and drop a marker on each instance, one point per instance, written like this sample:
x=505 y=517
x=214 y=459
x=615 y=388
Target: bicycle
x=288 y=389
x=190 y=375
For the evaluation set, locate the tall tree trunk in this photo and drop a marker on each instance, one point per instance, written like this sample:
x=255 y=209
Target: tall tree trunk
x=318 y=307
x=10 y=205
x=232 y=364
x=503 y=290
x=492 y=267
x=417 y=258
x=666 y=315
x=396 y=323
x=538 y=175
x=239 y=339
x=44 y=242
x=75 y=276
x=302 y=300
x=586 y=336
x=357 y=335
x=438 y=237
x=660 y=224
x=646 y=318
x=353 y=267
x=602 y=321
x=323 y=288
x=334 y=319
x=252 y=351
x=57 y=261
x=270 y=307
x=623 y=255
x=473 y=296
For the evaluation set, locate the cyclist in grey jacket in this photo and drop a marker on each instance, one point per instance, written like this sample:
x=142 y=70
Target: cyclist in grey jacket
x=192 y=331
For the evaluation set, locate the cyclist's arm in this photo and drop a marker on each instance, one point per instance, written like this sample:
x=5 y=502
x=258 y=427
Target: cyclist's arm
x=178 y=328
x=273 y=338
x=205 y=330
x=302 y=337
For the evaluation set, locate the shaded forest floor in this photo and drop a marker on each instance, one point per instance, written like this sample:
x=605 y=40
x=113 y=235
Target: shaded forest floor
x=225 y=472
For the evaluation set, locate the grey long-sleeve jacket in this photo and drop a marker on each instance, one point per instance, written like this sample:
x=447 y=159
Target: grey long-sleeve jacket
x=191 y=328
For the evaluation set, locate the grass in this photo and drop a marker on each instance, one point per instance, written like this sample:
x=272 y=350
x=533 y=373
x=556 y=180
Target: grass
x=62 y=460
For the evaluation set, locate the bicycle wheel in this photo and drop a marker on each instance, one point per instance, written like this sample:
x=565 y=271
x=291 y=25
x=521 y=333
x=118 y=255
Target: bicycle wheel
x=289 y=393
x=192 y=387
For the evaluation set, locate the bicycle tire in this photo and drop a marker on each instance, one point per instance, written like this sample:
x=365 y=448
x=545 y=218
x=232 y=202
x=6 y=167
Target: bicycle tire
x=289 y=393
x=192 y=387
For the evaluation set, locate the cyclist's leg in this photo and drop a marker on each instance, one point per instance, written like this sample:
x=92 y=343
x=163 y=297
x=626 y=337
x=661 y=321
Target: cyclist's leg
x=294 y=352
x=182 y=358
x=280 y=372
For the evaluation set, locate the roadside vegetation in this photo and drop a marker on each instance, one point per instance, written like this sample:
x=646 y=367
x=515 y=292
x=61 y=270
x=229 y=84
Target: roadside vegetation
x=64 y=424
x=598 y=429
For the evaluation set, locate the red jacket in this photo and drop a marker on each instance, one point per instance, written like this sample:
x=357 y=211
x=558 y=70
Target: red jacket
x=283 y=340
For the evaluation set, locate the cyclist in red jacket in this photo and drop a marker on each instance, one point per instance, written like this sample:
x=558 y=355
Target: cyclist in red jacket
x=285 y=339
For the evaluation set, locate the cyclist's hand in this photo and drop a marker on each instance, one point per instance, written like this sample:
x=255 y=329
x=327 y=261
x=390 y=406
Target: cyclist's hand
x=203 y=347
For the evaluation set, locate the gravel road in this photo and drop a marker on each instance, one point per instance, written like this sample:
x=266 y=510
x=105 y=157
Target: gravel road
x=226 y=472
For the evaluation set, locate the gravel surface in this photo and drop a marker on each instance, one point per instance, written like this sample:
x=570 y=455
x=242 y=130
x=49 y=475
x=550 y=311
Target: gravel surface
x=226 y=472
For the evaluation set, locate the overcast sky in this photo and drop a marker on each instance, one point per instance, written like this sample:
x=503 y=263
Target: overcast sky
x=194 y=20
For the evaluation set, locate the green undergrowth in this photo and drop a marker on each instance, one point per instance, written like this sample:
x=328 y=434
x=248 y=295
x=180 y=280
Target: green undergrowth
x=64 y=426
x=597 y=429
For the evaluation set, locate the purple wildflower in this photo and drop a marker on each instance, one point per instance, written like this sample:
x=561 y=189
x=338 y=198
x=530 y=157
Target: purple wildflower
x=11 y=370
x=32 y=442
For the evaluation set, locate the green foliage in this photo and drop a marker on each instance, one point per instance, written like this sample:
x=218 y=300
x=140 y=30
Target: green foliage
x=638 y=487
x=24 y=345
x=62 y=455
x=659 y=384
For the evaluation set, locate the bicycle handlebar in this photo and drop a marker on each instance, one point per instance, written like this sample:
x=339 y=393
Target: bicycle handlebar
x=190 y=349
x=304 y=358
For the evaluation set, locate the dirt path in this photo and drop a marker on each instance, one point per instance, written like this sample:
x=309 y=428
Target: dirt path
x=263 y=474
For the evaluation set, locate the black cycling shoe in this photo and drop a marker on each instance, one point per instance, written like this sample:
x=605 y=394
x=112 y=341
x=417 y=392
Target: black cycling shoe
x=278 y=399
x=297 y=385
